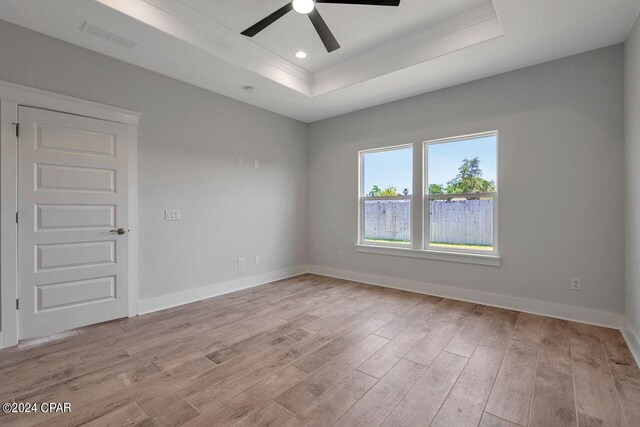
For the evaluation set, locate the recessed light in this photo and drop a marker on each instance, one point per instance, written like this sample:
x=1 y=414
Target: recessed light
x=249 y=89
x=301 y=54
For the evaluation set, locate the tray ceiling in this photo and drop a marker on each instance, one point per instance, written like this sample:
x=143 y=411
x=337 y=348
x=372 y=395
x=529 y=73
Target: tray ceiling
x=357 y=28
x=387 y=53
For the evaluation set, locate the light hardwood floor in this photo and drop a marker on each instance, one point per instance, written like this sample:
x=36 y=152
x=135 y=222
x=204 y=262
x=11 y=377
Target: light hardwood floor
x=312 y=350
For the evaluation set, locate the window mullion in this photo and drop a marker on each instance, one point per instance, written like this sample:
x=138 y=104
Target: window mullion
x=417 y=217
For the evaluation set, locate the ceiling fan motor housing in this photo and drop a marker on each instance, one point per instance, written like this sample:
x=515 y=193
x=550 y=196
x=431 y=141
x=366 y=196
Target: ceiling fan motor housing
x=308 y=7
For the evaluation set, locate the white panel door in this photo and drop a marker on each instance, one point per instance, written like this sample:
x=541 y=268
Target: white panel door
x=72 y=199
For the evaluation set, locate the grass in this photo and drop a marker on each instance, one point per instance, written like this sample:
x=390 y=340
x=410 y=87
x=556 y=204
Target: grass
x=458 y=246
x=404 y=242
x=439 y=245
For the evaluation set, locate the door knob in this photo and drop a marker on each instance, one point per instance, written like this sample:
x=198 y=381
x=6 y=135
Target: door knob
x=119 y=231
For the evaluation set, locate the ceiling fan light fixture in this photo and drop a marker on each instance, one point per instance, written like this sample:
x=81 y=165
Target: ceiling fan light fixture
x=308 y=7
x=303 y=6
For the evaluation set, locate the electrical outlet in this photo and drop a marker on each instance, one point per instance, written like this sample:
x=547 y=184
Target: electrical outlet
x=239 y=161
x=242 y=262
x=576 y=284
x=172 y=215
x=257 y=164
x=257 y=260
x=340 y=255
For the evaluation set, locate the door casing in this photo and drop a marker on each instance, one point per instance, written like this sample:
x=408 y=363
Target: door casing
x=11 y=97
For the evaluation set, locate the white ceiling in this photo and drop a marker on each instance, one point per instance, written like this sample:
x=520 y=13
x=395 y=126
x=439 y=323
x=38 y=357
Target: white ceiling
x=387 y=53
x=356 y=27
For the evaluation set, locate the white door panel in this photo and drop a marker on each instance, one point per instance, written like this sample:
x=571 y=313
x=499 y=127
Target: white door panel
x=67 y=294
x=73 y=178
x=75 y=141
x=75 y=217
x=73 y=183
x=77 y=254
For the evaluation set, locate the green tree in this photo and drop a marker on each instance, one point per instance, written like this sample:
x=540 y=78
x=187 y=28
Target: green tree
x=469 y=179
x=387 y=192
x=375 y=191
x=436 y=189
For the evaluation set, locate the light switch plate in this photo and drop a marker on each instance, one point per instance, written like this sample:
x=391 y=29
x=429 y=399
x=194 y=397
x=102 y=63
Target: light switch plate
x=172 y=215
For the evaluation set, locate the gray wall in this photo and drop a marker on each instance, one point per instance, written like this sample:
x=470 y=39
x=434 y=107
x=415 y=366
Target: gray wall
x=632 y=157
x=561 y=184
x=189 y=142
x=561 y=140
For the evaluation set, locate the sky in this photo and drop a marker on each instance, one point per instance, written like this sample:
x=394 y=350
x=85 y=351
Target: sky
x=394 y=167
x=385 y=168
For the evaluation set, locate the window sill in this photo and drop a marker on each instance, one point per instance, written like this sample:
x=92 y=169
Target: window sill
x=479 y=259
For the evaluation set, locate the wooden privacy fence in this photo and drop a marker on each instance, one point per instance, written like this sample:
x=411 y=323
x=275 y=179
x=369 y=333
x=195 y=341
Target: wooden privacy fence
x=467 y=222
x=387 y=220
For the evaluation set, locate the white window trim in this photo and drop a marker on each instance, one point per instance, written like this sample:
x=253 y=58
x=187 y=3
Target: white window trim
x=363 y=198
x=439 y=255
x=426 y=229
x=420 y=246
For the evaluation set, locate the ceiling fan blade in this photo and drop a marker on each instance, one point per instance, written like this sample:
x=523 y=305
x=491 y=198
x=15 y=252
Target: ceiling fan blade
x=261 y=25
x=323 y=31
x=363 y=2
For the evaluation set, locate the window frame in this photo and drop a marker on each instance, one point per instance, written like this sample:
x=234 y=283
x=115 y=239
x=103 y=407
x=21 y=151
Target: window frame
x=426 y=211
x=420 y=246
x=363 y=198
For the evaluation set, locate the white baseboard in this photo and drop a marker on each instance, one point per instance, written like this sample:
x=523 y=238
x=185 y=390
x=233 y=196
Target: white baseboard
x=633 y=340
x=179 y=298
x=550 y=309
x=560 y=311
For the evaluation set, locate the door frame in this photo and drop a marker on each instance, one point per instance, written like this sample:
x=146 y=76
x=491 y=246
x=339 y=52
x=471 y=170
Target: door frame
x=13 y=96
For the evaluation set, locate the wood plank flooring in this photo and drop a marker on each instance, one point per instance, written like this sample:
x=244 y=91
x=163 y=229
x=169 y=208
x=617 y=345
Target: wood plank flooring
x=317 y=351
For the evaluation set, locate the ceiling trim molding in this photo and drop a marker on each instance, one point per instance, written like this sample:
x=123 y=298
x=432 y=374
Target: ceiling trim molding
x=180 y=10
x=182 y=21
x=466 y=33
x=209 y=40
x=533 y=32
x=454 y=24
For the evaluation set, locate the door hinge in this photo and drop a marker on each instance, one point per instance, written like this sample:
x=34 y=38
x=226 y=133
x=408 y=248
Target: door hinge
x=16 y=217
x=17 y=304
x=17 y=125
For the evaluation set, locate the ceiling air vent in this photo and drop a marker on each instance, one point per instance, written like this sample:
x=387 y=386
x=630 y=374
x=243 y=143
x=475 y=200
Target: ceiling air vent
x=103 y=34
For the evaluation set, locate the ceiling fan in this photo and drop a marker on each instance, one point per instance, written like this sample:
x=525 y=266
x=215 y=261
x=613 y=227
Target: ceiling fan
x=308 y=7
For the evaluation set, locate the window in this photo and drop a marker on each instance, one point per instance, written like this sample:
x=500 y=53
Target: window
x=455 y=200
x=386 y=189
x=461 y=194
